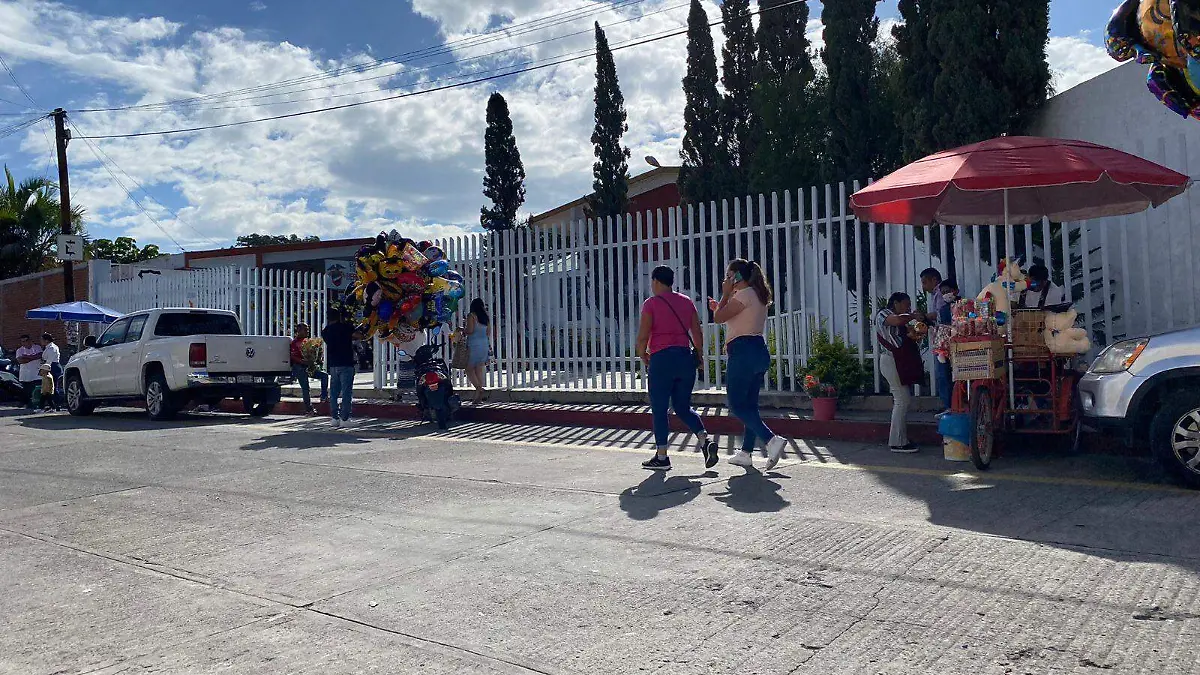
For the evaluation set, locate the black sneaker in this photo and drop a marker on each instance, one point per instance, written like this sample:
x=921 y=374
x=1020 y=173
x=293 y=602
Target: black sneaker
x=710 y=454
x=657 y=463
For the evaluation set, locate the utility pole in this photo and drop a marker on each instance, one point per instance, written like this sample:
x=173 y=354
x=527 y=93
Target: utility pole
x=62 y=135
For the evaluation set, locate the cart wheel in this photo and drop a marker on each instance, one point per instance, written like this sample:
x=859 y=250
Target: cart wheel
x=983 y=429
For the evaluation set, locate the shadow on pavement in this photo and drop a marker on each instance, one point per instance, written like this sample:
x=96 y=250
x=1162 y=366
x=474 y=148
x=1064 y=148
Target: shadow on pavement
x=753 y=492
x=658 y=493
x=305 y=439
x=132 y=420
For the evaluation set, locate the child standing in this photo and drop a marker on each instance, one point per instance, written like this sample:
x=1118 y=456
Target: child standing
x=48 y=399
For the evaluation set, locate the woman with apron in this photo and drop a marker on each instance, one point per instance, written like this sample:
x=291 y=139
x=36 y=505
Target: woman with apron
x=900 y=364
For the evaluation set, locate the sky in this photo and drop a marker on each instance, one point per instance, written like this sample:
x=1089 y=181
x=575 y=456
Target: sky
x=413 y=163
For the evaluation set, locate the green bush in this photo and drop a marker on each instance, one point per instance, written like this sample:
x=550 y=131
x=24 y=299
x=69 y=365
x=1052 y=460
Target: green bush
x=833 y=362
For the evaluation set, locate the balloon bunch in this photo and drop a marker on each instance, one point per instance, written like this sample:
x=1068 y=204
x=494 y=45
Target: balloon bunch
x=1166 y=35
x=404 y=286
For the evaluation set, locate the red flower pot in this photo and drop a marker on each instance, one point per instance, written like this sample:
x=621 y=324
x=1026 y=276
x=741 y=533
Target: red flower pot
x=824 y=409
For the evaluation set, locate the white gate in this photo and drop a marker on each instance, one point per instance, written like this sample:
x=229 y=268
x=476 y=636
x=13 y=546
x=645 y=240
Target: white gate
x=267 y=301
x=566 y=297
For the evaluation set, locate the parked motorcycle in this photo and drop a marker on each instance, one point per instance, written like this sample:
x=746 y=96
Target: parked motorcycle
x=435 y=391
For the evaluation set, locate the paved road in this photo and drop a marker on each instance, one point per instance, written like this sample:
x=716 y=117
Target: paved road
x=222 y=545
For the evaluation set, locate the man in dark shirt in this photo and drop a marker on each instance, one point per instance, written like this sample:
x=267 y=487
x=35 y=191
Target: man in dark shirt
x=339 y=336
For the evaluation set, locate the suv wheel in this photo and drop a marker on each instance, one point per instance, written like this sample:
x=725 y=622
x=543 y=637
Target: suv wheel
x=77 y=403
x=160 y=404
x=1175 y=437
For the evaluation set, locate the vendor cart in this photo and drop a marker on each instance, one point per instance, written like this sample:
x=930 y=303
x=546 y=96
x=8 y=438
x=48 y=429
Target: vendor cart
x=1007 y=180
x=1042 y=400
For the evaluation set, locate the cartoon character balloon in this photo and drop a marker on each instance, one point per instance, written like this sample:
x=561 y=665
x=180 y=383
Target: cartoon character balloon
x=1166 y=35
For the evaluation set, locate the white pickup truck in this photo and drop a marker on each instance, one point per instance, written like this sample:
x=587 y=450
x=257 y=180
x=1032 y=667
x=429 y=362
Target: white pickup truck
x=168 y=358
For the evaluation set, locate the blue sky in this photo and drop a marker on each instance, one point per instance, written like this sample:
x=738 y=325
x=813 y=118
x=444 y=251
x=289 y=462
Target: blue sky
x=413 y=164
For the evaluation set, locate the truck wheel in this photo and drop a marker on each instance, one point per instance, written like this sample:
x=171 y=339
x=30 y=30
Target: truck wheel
x=254 y=409
x=1175 y=437
x=77 y=403
x=160 y=404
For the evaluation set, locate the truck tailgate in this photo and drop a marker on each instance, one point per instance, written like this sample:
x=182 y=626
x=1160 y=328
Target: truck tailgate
x=248 y=354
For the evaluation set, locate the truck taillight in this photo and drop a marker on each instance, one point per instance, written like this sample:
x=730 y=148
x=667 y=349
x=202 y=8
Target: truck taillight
x=198 y=355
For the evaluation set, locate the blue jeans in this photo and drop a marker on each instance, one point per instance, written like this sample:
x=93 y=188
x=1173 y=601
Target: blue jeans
x=672 y=374
x=749 y=361
x=341 y=391
x=56 y=371
x=300 y=372
x=945 y=384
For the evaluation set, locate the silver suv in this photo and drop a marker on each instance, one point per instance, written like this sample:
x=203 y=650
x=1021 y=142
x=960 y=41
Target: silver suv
x=1148 y=390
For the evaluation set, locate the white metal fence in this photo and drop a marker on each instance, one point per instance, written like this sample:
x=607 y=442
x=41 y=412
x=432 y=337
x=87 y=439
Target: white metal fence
x=566 y=297
x=267 y=301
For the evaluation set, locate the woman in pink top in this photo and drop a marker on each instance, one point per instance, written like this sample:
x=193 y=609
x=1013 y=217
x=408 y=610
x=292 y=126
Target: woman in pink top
x=668 y=339
x=745 y=296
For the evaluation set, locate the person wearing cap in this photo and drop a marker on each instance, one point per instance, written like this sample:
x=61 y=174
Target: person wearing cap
x=1042 y=292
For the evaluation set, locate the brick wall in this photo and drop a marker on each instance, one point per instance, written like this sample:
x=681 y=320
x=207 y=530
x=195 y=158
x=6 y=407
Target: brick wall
x=22 y=294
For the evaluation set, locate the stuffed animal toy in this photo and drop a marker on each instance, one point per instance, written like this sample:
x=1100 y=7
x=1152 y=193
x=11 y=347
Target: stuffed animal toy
x=1062 y=337
x=1009 y=281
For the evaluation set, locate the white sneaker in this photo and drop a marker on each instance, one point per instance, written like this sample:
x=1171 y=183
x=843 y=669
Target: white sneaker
x=775 y=448
x=742 y=458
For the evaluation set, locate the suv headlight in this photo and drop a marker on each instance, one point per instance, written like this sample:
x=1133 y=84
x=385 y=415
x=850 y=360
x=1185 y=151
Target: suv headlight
x=1119 y=357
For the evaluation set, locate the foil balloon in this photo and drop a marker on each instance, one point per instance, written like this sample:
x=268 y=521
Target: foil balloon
x=456 y=291
x=410 y=303
x=453 y=276
x=1164 y=34
x=452 y=303
x=412 y=258
x=434 y=253
x=438 y=285
x=385 y=310
x=437 y=268
x=411 y=283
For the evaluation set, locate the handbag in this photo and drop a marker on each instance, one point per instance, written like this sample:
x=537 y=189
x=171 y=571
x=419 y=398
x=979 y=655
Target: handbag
x=460 y=357
x=697 y=357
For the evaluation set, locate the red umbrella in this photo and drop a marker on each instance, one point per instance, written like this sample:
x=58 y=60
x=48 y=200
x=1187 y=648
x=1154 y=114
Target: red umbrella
x=1018 y=179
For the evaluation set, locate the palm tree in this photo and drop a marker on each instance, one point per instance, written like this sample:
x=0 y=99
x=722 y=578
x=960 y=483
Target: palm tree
x=30 y=221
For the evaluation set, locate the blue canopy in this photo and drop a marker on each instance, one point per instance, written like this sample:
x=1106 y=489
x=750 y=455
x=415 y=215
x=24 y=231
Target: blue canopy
x=82 y=311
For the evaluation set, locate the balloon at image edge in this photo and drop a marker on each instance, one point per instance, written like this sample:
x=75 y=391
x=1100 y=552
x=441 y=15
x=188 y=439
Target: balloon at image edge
x=1170 y=47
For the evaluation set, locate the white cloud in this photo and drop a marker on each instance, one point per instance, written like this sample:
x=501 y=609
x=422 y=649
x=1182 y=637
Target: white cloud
x=415 y=164
x=258 y=6
x=1074 y=59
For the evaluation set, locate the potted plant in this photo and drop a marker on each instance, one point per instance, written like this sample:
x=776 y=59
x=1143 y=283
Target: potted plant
x=824 y=398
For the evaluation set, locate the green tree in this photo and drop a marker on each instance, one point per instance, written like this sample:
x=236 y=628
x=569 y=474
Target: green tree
x=504 y=174
x=919 y=66
x=851 y=29
x=611 y=170
x=994 y=83
x=122 y=250
x=739 y=66
x=787 y=100
x=1023 y=31
x=704 y=161
x=30 y=222
x=253 y=240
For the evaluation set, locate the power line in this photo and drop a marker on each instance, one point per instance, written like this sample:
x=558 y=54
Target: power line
x=17 y=82
x=105 y=156
x=505 y=32
x=98 y=154
x=7 y=131
x=478 y=80
x=417 y=80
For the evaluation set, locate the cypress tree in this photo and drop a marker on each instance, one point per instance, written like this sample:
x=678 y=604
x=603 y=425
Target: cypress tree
x=1024 y=32
x=790 y=137
x=611 y=169
x=969 y=98
x=850 y=32
x=504 y=174
x=700 y=177
x=919 y=67
x=739 y=64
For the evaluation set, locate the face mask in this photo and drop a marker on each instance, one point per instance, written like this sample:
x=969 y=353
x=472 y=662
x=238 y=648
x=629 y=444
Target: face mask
x=949 y=297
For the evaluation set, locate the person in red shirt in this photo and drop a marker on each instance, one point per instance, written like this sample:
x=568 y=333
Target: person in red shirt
x=300 y=367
